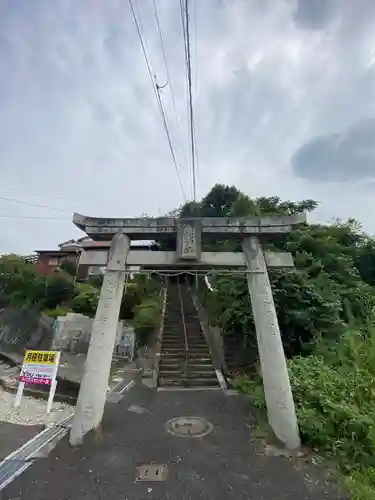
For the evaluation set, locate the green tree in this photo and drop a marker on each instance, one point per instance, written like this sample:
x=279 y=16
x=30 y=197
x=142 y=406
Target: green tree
x=85 y=300
x=59 y=289
x=69 y=267
x=335 y=267
x=20 y=285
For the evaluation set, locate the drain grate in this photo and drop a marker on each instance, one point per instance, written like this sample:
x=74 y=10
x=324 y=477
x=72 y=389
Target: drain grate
x=152 y=472
x=194 y=427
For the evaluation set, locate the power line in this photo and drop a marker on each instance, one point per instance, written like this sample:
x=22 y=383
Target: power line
x=30 y=193
x=157 y=96
x=168 y=73
x=195 y=35
x=184 y=7
x=192 y=141
x=187 y=83
x=36 y=217
x=13 y=200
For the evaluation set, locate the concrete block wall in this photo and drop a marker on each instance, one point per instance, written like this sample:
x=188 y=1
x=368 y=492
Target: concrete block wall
x=22 y=329
x=72 y=332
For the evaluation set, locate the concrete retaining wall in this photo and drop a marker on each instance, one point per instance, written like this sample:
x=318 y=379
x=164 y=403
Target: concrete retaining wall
x=72 y=334
x=23 y=328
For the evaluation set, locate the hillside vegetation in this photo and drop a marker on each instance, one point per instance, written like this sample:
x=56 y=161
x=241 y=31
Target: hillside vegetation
x=326 y=309
x=21 y=286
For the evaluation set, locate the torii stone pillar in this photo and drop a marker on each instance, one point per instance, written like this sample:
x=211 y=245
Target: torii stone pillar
x=280 y=405
x=93 y=391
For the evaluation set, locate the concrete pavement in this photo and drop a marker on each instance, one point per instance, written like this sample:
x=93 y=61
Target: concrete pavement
x=227 y=463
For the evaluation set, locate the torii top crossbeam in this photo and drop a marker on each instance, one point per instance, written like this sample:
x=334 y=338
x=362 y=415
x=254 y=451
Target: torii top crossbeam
x=148 y=228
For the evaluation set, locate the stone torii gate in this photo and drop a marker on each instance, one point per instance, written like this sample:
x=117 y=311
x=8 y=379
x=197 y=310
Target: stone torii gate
x=189 y=234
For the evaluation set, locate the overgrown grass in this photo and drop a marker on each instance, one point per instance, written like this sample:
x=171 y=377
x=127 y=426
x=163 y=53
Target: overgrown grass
x=334 y=394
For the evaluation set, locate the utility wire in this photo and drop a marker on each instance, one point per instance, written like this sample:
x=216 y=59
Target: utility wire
x=192 y=141
x=33 y=217
x=187 y=83
x=157 y=96
x=29 y=193
x=13 y=200
x=195 y=25
x=184 y=6
x=168 y=74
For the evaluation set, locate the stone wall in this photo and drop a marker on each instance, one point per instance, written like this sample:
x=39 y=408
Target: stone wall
x=24 y=328
x=72 y=334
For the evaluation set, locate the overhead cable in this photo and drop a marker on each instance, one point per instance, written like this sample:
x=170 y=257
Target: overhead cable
x=36 y=217
x=33 y=193
x=13 y=200
x=168 y=74
x=184 y=8
x=157 y=96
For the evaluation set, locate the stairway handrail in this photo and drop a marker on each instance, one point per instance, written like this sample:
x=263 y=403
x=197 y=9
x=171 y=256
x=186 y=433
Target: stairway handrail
x=183 y=320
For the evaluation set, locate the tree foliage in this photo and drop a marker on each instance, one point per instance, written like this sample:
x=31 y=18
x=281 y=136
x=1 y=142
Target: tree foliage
x=326 y=312
x=334 y=268
x=22 y=286
x=85 y=300
x=333 y=390
x=69 y=267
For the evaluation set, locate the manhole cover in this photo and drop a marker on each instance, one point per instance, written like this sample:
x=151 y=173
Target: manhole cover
x=152 y=472
x=194 y=427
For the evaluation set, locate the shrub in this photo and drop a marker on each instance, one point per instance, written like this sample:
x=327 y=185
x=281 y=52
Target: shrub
x=58 y=311
x=146 y=318
x=59 y=288
x=334 y=397
x=86 y=300
x=69 y=267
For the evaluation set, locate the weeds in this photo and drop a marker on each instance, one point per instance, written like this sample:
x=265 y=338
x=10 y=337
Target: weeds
x=334 y=394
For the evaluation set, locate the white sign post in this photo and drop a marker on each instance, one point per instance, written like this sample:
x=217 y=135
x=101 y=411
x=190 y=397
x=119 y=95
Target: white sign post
x=39 y=367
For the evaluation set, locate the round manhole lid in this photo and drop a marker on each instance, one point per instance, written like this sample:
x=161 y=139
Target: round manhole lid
x=194 y=427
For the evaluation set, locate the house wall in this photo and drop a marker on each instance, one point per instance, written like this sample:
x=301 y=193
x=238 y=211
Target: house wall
x=48 y=263
x=44 y=266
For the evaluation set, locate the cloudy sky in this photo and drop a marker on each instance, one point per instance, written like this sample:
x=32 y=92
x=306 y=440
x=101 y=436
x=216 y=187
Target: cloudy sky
x=284 y=99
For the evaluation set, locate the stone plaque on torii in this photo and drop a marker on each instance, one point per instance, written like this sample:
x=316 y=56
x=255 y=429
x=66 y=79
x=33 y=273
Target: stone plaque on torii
x=189 y=234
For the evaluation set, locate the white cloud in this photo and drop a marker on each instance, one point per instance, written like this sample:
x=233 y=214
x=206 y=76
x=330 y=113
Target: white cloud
x=79 y=120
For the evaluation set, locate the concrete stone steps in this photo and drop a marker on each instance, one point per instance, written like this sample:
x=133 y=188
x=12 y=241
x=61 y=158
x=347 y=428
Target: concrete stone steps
x=201 y=367
x=193 y=351
x=176 y=368
x=181 y=342
x=181 y=382
x=178 y=347
x=191 y=356
x=179 y=333
x=188 y=376
x=177 y=336
x=201 y=360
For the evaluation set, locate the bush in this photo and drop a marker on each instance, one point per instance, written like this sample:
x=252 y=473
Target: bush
x=336 y=411
x=86 y=300
x=130 y=299
x=59 y=289
x=58 y=311
x=69 y=267
x=146 y=318
x=335 y=405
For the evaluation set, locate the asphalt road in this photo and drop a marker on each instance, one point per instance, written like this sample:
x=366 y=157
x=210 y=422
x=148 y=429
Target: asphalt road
x=227 y=463
x=12 y=436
